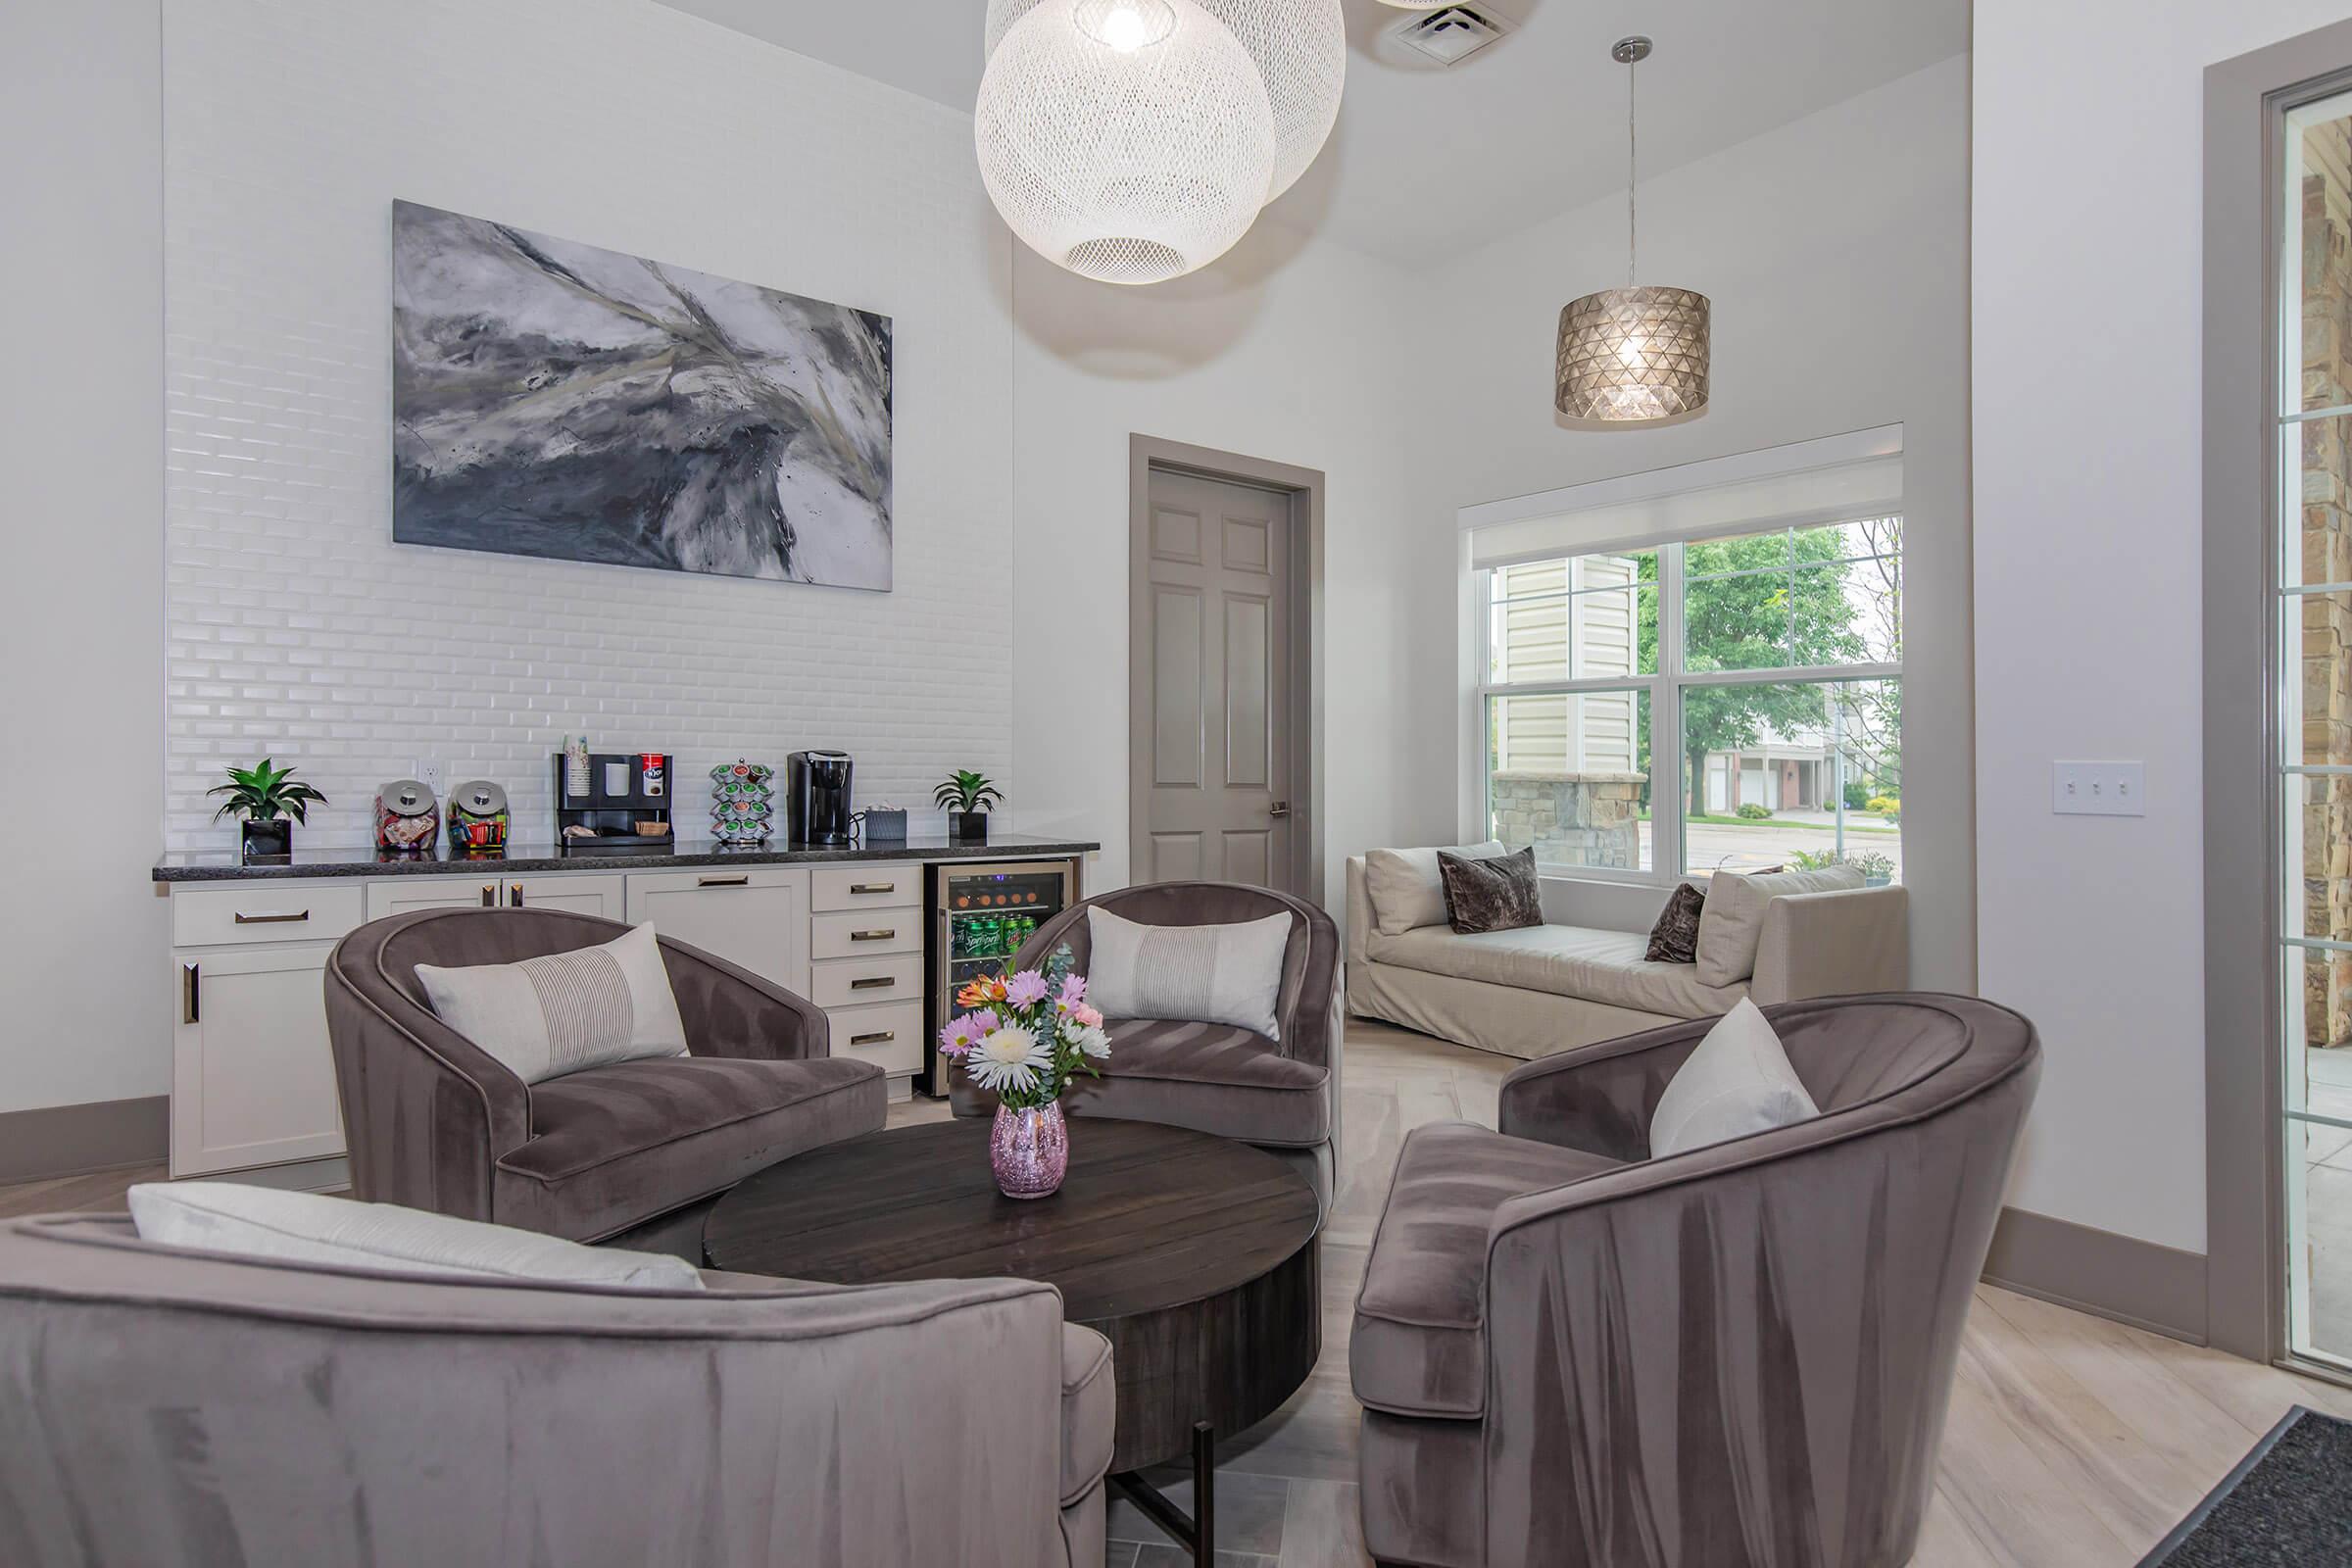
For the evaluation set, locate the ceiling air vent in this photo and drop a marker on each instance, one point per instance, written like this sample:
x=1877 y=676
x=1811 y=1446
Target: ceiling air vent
x=1450 y=36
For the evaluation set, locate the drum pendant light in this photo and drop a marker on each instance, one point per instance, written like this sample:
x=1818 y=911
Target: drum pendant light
x=1634 y=354
x=1130 y=141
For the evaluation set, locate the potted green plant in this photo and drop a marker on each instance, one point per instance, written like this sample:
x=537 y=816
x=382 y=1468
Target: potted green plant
x=269 y=801
x=966 y=796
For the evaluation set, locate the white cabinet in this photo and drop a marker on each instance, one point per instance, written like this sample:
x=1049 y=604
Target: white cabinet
x=265 y=912
x=252 y=1080
x=865 y=933
x=602 y=894
x=598 y=893
x=756 y=917
x=253 y=1077
x=890 y=1035
x=400 y=895
x=864 y=887
x=866 y=949
x=860 y=982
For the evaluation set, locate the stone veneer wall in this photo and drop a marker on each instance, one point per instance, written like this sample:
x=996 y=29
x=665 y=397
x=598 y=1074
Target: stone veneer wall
x=2327 y=558
x=1572 y=819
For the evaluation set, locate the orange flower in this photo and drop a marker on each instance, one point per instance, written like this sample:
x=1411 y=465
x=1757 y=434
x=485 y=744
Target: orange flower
x=982 y=992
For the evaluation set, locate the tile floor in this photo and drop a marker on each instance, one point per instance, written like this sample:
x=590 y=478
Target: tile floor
x=2071 y=1442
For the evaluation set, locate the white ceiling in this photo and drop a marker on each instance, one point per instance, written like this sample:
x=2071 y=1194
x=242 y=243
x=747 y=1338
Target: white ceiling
x=1427 y=162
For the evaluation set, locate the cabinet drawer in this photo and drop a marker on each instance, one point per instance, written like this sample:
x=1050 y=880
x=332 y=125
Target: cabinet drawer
x=891 y=1037
x=864 y=887
x=863 y=933
x=398 y=894
x=600 y=893
x=855 y=982
x=265 y=912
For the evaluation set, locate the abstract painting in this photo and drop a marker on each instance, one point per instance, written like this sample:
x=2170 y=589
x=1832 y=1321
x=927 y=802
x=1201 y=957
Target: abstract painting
x=554 y=399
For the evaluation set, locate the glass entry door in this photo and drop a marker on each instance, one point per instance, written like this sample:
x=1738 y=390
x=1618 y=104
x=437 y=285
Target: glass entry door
x=2313 y=421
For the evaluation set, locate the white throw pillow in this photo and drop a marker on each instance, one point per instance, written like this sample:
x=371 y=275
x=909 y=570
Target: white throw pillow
x=1405 y=888
x=340 y=1233
x=1738 y=1082
x=1731 y=925
x=1230 y=974
x=551 y=1015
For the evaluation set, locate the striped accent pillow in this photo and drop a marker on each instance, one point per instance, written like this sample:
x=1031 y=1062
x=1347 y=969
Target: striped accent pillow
x=1230 y=974
x=548 y=1017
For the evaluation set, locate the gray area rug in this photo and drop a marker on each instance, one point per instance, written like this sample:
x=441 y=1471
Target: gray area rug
x=2288 y=1504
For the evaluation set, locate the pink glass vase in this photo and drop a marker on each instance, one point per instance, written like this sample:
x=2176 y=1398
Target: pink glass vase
x=1029 y=1150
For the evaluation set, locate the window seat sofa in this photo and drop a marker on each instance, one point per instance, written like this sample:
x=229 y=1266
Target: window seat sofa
x=1543 y=989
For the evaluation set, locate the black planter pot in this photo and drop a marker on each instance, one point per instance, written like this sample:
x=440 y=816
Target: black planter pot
x=968 y=827
x=265 y=841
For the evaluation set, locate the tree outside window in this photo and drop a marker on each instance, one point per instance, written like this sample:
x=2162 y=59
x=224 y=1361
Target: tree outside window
x=1822 y=602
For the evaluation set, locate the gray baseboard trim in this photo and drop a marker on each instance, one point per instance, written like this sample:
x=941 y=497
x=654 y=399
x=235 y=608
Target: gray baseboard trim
x=2136 y=1283
x=69 y=1140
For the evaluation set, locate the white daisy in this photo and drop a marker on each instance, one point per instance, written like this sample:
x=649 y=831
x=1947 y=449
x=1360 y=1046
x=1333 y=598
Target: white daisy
x=1010 y=1059
x=1095 y=1042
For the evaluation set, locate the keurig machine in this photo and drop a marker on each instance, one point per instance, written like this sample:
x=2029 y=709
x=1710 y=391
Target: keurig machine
x=816 y=796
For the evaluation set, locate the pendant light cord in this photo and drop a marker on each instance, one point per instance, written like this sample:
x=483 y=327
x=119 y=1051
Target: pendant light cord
x=1632 y=231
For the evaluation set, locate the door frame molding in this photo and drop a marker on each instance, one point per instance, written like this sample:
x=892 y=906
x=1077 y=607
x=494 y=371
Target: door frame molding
x=2245 y=1247
x=1305 y=667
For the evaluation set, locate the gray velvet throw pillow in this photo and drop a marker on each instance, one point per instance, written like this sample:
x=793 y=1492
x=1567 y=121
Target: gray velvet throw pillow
x=1495 y=894
x=1675 y=938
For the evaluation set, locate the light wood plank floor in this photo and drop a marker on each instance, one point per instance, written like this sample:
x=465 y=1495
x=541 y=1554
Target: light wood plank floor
x=2073 y=1443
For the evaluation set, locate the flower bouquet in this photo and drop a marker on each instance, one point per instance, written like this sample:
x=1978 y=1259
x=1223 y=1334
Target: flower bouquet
x=1027 y=1039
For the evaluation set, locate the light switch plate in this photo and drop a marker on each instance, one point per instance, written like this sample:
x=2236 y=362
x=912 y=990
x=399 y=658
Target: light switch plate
x=2099 y=789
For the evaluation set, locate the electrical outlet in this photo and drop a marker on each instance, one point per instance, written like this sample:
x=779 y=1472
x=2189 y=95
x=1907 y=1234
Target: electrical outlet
x=433 y=777
x=2098 y=789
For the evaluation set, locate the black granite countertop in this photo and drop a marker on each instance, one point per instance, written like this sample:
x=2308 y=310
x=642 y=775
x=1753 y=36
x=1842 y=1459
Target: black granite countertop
x=222 y=866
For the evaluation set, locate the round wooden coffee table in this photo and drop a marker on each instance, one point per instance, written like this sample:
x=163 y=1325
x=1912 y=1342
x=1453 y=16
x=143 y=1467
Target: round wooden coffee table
x=1194 y=1256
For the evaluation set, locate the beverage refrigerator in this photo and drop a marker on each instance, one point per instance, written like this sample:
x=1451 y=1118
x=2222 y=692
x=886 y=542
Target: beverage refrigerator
x=980 y=916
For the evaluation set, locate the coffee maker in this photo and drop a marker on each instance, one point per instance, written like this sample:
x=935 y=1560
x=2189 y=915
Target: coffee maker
x=816 y=796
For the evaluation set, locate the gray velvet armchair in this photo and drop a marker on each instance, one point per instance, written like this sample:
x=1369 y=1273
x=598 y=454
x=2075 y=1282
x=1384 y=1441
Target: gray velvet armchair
x=179 y=1409
x=1571 y=1353
x=1283 y=1096
x=434 y=1122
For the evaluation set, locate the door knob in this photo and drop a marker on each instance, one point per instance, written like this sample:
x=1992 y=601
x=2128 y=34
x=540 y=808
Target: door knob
x=1279 y=808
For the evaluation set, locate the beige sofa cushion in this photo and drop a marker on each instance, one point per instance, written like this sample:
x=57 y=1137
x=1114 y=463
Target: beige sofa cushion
x=1567 y=961
x=1405 y=888
x=1732 y=924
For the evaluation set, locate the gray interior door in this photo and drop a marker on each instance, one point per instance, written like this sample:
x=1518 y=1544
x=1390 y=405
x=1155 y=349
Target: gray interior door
x=1211 y=738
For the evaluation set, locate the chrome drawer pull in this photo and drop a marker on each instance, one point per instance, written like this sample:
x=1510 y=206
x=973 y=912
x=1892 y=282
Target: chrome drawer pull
x=872 y=936
x=191 y=988
x=489 y=895
x=873 y=887
x=242 y=919
x=722 y=881
x=872 y=981
x=877 y=1038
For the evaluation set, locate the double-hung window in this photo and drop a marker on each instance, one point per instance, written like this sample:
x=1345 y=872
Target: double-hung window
x=1733 y=702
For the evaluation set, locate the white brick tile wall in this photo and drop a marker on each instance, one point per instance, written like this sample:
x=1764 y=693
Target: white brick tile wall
x=295 y=627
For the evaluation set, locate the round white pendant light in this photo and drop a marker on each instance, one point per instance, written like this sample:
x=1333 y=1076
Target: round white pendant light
x=1128 y=140
x=1301 y=49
